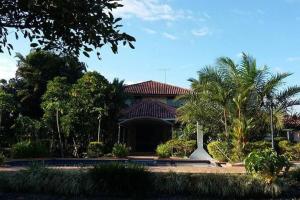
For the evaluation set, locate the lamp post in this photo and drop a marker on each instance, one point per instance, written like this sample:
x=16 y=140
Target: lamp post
x=268 y=101
x=271 y=124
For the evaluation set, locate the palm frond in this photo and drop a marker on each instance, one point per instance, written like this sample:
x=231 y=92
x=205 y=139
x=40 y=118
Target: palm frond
x=288 y=93
x=274 y=82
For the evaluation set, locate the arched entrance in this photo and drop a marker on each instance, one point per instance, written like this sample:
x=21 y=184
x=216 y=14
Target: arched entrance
x=144 y=134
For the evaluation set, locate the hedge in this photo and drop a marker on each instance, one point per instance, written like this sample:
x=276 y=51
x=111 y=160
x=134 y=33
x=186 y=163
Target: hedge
x=118 y=180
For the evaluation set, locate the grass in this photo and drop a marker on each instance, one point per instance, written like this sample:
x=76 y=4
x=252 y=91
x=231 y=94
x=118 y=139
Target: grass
x=134 y=181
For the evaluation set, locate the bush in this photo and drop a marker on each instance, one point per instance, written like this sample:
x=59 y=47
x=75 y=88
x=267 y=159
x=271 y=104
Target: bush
x=120 y=150
x=256 y=146
x=95 y=149
x=266 y=163
x=121 y=179
x=291 y=150
x=295 y=174
x=182 y=147
x=115 y=180
x=2 y=158
x=212 y=185
x=27 y=149
x=218 y=150
x=177 y=147
x=164 y=150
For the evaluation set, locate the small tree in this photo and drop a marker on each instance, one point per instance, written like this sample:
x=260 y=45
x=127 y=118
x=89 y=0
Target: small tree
x=101 y=113
x=6 y=104
x=55 y=103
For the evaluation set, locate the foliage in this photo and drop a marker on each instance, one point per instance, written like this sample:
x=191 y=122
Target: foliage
x=182 y=147
x=219 y=150
x=6 y=104
x=295 y=174
x=2 y=158
x=87 y=95
x=164 y=150
x=236 y=98
x=55 y=103
x=33 y=73
x=291 y=150
x=27 y=128
x=95 y=149
x=114 y=180
x=28 y=149
x=256 y=146
x=121 y=179
x=120 y=150
x=65 y=26
x=266 y=163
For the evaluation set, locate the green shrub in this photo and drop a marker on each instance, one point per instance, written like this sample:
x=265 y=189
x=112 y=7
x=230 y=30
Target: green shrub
x=295 y=174
x=256 y=146
x=182 y=147
x=121 y=179
x=218 y=150
x=27 y=149
x=2 y=158
x=95 y=149
x=116 y=180
x=291 y=150
x=212 y=185
x=266 y=163
x=120 y=150
x=164 y=150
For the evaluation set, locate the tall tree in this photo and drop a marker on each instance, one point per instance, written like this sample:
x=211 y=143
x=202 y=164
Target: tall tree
x=65 y=26
x=35 y=70
x=6 y=105
x=55 y=102
x=246 y=94
x=87 y=97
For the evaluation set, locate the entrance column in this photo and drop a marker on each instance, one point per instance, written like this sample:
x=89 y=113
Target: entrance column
x=119 y=133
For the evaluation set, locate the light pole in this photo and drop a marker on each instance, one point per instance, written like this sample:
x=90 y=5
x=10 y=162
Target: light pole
x=268 y=101
x=272 y=127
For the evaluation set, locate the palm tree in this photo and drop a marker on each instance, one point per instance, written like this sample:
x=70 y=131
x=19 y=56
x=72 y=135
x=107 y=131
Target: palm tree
x=243 y=92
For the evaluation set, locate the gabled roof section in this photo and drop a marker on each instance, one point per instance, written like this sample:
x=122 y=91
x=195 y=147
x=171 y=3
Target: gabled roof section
x=149 y=108
x=154 y=88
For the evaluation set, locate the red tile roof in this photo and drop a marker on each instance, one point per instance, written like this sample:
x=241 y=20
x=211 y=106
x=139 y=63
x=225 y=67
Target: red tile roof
x=154 y=88
x=292 y=122
x=149 y=108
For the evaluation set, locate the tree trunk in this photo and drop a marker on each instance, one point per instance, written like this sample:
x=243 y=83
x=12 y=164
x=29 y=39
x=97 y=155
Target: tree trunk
x=225 y=124
x=99 y=129
x=59 y=134
x=272 y=127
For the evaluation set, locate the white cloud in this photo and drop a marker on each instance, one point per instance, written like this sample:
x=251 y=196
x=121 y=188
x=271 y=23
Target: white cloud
x=293 y=59
x=8 y=67
x=201 y=32
x=150 y=10
x=169 y=36
x=149 y=31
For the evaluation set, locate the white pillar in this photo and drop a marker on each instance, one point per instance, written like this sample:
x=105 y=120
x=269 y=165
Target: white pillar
x=200 y=153
x=119 y=134
x=199 y=136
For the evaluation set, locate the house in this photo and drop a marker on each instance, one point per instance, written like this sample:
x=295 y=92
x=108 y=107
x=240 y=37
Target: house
x=292 y=127
x=150 y=115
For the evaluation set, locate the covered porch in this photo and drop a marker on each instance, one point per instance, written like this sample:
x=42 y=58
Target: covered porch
x=144 y=134
x=145 y=125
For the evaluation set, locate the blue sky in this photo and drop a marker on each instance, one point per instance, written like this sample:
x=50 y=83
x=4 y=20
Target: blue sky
x=182 y=36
